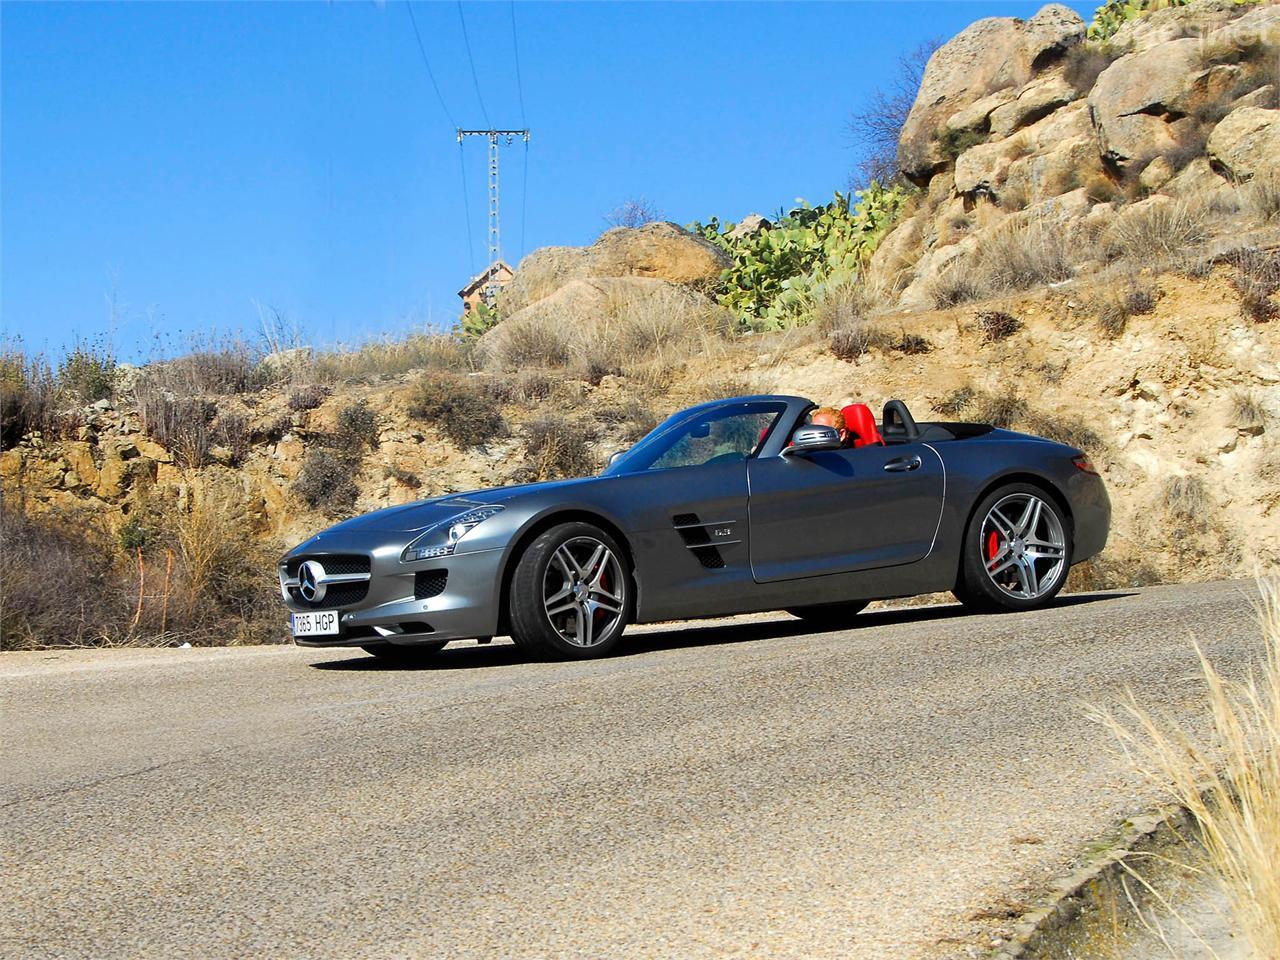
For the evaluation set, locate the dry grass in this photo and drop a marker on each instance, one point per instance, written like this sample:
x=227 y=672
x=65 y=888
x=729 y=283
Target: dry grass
x=1119 y=302
x=1160 y=232
x=1024 y=253
x=626 y=421
x=1247 y=411
x=307 y=397
x=857 y=338
x=1228 y=781
x=357 y=428
x=1257 y=280
x=379 y=359
x=31 y=399
x=1084 y=63
x=956 y=402
x=1260 y=197
x=557 y=447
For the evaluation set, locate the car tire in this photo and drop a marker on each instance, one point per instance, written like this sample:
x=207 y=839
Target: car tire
x=405 y=653
x=571 y=595
x=1005 y=567
x=830 y=616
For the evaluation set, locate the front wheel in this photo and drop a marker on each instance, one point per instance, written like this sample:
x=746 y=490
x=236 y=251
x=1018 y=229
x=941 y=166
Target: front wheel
x=829 y=616
x=571 y=594
x=1016 y=550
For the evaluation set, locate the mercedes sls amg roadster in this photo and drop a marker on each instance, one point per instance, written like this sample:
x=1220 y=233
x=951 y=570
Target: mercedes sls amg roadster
x=735 y=506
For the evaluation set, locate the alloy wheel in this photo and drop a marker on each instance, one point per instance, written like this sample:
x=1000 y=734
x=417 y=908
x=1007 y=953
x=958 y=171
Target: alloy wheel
x=584 y=592
x=1023 y=546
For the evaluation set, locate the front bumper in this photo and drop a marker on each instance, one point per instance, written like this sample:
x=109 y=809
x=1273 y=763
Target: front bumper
x=468 y=607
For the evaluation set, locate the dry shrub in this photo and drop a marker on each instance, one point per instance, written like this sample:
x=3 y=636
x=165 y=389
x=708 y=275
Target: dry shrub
x=224 y=574
x=1186 y=504
x=307 y=397
x=31 y=400
x=1158 y=231
x=627 y=421
x=858 y=338
x=1100 y=188
x=533 y=385
x=392 y=357
x=231 y=431
x=1084 y=63
x=1109 y=571
x=402 y=476
x=1015 y=196
x=456 y=406
x=180 y=424
x=59 y=585
x=557 y=447
x=326 y=483
x=88 y=372
x=1017 y=255
x=1225 y=771
x=357 y=428
x=1260 y=197
x=1074 y=431
x=1115 y=306
x=912 y=343
x=530 y=342
x=1256 y=279
x=658 y=327
x=1247 y=411
x=213 y=366
x=997 y=325
x=955 y=402
x=999 y=409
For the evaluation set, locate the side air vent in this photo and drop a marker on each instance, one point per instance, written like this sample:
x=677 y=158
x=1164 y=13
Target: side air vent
x=697 y=536
x=429 y=583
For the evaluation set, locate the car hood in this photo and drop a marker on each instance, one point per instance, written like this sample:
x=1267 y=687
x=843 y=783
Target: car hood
x=414 y=517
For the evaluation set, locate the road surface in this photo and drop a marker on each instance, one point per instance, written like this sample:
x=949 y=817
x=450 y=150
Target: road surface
x=739 y=789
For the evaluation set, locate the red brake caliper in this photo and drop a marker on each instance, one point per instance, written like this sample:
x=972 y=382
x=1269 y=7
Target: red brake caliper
x=993 y=545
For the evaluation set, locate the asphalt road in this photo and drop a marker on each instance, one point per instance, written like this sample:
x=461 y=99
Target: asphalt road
x=745 y=789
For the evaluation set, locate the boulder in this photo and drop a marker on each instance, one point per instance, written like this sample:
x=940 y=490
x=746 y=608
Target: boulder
x=1132 y=101
x=976 y=117
x=1246 y=142
x=983 y=168
x=989 y=55
x=1155 y=174
x=1195 y=179
x=585 y=308
x=657 y=251
x=749 y=226
x=1036 y=100
x=1171 y=23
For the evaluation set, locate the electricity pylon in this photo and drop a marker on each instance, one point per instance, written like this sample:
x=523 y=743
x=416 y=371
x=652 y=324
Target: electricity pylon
x=495 y=225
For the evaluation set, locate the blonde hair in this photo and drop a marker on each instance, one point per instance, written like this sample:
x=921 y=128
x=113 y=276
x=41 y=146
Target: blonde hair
x=829 y=413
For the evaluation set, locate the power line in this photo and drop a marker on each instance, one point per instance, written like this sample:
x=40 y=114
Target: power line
x=466 y=209
x=427 y=63
x=515 y=46
x=470 y=59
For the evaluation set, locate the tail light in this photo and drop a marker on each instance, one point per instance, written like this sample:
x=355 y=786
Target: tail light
x=1083 y=463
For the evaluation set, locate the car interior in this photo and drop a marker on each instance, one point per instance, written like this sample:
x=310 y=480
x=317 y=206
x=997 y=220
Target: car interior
x=897 y=426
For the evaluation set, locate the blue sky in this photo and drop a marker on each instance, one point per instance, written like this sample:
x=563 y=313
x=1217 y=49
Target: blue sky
x=164 y=167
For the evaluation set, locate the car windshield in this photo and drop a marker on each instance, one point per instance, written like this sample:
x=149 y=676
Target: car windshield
x=720 y=434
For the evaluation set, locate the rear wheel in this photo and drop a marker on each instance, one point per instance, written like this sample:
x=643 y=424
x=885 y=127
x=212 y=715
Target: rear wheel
x=1016 y=551
x=405 y=653
x=831 y=616
x=570 y=594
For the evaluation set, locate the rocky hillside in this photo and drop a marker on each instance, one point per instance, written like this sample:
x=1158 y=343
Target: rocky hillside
x=1090 y=250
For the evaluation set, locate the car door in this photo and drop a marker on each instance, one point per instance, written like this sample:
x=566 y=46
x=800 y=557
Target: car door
x=838 y=511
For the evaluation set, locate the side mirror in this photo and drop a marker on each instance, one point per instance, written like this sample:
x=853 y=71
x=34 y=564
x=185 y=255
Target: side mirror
x=811 y=438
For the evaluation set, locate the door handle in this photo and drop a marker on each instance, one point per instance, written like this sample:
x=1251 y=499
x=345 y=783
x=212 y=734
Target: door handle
x=902 y=464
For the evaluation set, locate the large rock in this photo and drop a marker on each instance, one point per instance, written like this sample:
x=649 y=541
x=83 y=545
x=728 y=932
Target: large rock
x=1133 y=100
x=1037 y=99
x=995 y=53
x=656 y=251
x=1246 y=142
x=581 y=314
x=1064 y=139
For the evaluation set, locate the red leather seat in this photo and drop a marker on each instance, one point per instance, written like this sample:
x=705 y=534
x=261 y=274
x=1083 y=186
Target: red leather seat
x=861 y=424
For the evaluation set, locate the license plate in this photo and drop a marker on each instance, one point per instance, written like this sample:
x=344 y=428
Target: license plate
x=317 y=623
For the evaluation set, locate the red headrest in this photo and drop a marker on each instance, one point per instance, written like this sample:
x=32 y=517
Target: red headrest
x=861 y=423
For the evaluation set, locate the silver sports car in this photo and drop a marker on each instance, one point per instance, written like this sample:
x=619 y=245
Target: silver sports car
x=729 y=507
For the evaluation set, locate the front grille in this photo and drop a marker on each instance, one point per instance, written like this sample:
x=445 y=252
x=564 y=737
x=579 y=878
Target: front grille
x=333 y=563
x=429 y=583
x=336 y=594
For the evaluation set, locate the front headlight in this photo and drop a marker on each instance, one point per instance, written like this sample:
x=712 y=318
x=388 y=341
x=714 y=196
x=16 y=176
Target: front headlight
x=440 y=540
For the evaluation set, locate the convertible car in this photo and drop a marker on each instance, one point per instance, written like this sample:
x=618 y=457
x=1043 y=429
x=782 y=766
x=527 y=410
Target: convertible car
x=734 y=506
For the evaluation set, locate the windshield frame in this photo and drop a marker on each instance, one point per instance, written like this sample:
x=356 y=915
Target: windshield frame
x=630 y=461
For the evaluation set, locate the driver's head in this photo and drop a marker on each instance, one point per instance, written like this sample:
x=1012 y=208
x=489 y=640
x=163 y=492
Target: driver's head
x=831 y=417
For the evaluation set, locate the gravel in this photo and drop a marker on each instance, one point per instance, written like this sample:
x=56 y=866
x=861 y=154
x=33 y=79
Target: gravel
x=734 y=789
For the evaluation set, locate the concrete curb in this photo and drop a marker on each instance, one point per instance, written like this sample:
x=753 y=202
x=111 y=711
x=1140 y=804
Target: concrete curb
x=1092 y=891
